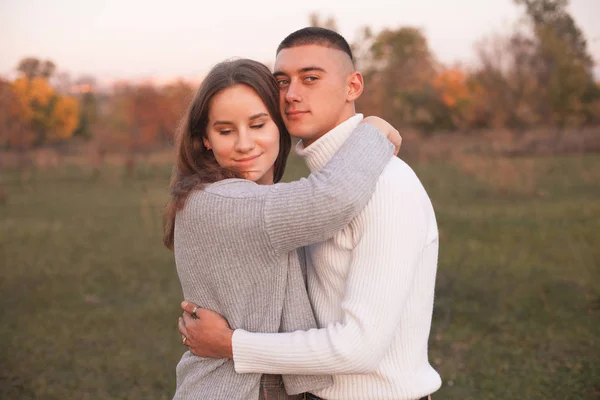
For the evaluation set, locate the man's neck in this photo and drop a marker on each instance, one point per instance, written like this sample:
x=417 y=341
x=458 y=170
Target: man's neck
x=308 y=142
x=347 y=114
x=322 y=149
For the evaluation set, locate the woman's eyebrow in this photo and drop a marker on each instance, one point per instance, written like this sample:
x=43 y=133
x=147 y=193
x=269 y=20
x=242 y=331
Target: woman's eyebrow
x=222 y=123
x=259 y=115
x=253 y=117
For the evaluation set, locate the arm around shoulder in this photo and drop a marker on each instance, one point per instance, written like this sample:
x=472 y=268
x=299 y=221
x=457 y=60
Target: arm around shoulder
x=394 y=236
x=314 y=209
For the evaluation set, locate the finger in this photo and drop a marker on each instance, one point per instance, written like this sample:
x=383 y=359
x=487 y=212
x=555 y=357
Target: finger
x=182 y=328
x=188 y=307
x=187 y=319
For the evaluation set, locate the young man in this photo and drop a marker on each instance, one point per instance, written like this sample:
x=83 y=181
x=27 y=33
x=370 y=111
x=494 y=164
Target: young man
x=372 y=285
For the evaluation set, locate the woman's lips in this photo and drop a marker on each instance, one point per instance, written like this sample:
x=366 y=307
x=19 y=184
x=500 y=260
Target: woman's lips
x=247 y=160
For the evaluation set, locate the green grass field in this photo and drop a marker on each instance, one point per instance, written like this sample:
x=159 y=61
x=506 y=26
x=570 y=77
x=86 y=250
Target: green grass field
x=89 y=298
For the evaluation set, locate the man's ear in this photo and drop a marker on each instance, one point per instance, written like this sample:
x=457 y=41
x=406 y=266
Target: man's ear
x=355 y=86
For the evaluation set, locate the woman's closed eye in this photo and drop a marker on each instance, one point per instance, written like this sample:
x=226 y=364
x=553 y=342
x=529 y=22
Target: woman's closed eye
x=257 y=126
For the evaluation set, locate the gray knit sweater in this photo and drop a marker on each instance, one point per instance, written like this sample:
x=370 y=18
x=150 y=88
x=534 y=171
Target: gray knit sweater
x=236 y=253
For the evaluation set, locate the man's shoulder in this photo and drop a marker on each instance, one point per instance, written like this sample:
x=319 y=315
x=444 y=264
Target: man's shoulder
x=400 y=189
x=398 y=173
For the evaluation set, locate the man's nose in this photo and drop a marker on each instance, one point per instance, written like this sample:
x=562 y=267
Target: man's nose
x=292 y=94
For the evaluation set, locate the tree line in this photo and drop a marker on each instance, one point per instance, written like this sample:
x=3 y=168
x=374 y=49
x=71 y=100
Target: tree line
x=541 y=74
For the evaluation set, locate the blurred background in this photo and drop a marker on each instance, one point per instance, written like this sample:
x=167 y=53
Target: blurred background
x=499 y=106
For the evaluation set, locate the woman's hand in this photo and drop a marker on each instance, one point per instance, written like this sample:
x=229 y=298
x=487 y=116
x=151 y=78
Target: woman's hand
x=205 y=332
x=390 y=132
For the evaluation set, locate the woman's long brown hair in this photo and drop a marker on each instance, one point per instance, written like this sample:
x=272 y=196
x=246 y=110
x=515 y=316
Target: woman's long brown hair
x=195 y=165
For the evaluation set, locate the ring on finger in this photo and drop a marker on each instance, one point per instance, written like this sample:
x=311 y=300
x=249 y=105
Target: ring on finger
x=184 y=340
x=194 y=312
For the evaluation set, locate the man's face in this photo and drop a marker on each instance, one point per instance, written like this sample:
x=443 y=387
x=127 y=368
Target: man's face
x=316 y=94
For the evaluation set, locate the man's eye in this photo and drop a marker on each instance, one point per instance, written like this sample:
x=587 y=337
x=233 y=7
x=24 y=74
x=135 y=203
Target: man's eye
x=282 y=82
x=257 y=126
x=311 y=78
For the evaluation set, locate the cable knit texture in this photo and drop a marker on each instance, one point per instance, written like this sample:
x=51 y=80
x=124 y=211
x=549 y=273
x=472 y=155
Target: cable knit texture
x=235 y=250
x=371 y=287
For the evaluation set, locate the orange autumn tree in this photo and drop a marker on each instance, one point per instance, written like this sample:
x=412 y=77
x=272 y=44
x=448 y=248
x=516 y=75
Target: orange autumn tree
x=452 y=86
x=398 y=67
x=149 y=114
x=177 y=96
x=145 y=107
x=453 y=90
x=63 y=119
x=140 y=118
x=15 y=131
x=44 y=115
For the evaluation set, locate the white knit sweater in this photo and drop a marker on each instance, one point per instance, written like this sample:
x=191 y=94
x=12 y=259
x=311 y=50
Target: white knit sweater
x=372 y=288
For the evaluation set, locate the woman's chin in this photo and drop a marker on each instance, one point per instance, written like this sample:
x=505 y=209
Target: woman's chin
x=252 y=176
x=259 y=178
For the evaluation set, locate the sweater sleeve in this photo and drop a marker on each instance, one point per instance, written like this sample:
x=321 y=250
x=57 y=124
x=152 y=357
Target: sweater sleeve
x=379 y=280
x=313 y=209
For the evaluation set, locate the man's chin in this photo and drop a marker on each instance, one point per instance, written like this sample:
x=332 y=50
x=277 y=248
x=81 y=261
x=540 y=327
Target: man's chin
x=304 y=134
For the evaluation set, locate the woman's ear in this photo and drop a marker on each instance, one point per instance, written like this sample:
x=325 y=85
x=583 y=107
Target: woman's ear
x=206 y=143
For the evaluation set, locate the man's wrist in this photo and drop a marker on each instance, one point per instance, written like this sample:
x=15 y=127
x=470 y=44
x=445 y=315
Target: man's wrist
x=227 y=342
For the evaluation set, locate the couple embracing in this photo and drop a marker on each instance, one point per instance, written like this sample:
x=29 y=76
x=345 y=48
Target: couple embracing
x=320 y=288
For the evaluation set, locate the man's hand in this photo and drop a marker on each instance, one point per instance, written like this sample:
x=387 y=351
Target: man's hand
x=390 y=132
x=208 y=335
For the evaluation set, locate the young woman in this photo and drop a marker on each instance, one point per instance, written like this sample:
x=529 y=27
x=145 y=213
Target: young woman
x=236 y=232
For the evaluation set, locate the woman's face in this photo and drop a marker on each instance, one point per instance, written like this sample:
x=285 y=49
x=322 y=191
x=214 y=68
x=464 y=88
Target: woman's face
x=241 y=133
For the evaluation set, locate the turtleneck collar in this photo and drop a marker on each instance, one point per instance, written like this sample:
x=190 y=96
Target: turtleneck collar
x=320 y=152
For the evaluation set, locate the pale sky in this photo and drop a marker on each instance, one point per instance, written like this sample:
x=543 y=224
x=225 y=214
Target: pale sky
x=134 y=39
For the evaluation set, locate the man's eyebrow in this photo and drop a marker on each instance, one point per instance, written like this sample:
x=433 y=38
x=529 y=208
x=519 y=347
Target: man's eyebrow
x=253 y=117
x=301 y=70
x=311 y=68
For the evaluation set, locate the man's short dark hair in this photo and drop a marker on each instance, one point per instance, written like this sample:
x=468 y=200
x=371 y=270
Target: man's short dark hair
x=319 y=36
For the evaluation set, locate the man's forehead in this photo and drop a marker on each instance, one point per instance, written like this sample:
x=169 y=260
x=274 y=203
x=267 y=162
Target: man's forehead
x=294 y=59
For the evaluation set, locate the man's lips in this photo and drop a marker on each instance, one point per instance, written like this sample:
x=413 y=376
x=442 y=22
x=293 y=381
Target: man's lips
x=293 y=113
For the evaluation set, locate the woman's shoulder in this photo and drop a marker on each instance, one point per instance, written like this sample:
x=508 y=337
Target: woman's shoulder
x=229 y=189
x=237 y=200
